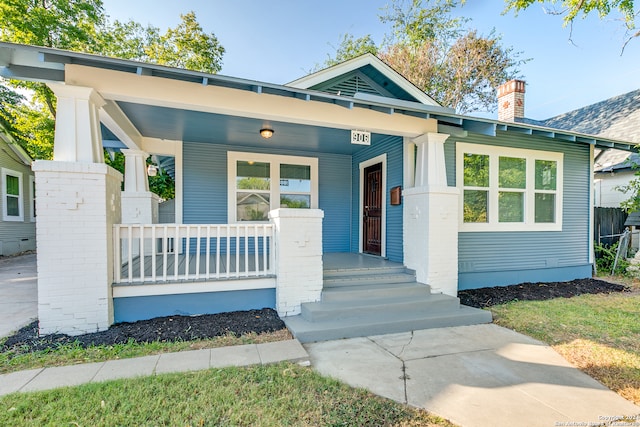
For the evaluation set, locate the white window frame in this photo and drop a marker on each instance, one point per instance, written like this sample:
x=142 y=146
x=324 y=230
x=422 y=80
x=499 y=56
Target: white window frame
x=494 y=153
x=274 y=161
x=32 y=198
x=5 y=210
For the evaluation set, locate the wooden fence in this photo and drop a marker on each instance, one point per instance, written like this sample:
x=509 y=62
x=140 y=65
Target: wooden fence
x=607 y=222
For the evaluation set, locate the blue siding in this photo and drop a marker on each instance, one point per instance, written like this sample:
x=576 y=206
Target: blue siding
x=392 y=145
x=205 y=188
x=504 y=258
x=131 y=309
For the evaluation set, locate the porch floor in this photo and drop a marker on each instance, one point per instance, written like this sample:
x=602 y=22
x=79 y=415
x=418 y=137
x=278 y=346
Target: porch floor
x=351 y=261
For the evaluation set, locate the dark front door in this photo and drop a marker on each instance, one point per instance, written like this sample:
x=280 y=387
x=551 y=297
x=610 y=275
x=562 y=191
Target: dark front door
x=372 y=210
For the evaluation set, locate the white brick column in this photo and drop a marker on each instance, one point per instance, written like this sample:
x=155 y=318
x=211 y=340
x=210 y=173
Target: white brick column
x=430 y=219
x=298 y=258
x=139 y=205
x=78 y=203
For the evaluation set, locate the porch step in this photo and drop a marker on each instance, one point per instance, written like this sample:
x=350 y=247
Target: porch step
x=382 y=323
x=371 y=307
x=373 y=301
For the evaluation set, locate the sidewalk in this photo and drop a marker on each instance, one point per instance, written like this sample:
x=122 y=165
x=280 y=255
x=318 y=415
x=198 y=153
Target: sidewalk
x=242 y=355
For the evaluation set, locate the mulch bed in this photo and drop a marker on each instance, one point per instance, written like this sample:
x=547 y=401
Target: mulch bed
x=171 y=328
x=486 y=297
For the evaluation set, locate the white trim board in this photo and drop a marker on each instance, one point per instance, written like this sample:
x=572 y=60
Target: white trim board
x=382 y=158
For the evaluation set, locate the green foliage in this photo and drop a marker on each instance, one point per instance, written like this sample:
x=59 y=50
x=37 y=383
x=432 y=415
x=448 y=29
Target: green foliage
x=435 y=50
x=292 y=203
x=83 y=26
x=351 y=47
x=162 y=184
x=623 y=10
x=605 y=257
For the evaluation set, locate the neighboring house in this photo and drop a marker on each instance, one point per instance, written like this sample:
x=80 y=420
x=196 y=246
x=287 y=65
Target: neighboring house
x=390 y=180
x=617 y=118
x=18 y=222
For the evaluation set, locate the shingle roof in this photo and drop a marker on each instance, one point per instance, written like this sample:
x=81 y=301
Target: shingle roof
x=616 y=118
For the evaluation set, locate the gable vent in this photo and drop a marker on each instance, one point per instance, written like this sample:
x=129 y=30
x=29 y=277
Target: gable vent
x=350 y=86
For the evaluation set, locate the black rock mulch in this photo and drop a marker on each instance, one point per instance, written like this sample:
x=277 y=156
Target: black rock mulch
x=171 y=328
x=486 y=297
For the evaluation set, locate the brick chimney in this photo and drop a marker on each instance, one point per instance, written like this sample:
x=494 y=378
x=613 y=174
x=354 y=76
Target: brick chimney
x=511 y=101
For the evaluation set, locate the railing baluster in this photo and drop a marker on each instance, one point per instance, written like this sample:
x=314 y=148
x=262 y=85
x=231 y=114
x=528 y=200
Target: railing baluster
x=187 y=249
x=208 y=251
x=165 y=255
x=255 y=250
x=197 y=275
x=130 y=254
x=245 y=228
x=141 y=244
x=176 y=251
x=237 y=251
x=154 y=248
x=117 y=254
x=217 y=251
x=227 y=269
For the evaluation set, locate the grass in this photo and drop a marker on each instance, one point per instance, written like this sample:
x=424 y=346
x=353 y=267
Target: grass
x=599 y=334
x=70 y=354
x=275 y=395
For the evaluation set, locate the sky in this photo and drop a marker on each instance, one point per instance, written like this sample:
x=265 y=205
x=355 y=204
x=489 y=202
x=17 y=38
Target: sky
x=278 y=41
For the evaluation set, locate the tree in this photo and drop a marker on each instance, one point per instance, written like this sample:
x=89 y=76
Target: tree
x=434 y=50
x=572 y=9
x=351 y=47
x=82 y=25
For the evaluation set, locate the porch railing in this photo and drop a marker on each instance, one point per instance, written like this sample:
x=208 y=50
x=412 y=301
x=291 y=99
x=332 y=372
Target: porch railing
x=177 y=252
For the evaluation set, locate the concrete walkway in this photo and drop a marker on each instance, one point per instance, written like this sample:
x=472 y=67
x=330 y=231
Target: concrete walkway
x=478 y=376
x=18 y=293
x=241 y=355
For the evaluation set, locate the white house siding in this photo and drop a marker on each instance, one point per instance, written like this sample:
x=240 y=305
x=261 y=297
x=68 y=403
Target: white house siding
x=17 y=236
x=606 y=194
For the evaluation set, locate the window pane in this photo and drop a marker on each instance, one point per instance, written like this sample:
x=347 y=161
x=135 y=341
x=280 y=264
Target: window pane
x=545 y=207
x=253 y=206
x=13 y=185
x=546 y=174
x=296 y=178
x=13 y=208
x=510 y=207
x=295 y=201
x=253 y=176
x=512 y=172
x=475 y=206
x=476 y=170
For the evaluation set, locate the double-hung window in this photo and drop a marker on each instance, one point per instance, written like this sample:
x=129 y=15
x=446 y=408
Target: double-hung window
x=259 y=183
x=12 y=203
x=509 y=189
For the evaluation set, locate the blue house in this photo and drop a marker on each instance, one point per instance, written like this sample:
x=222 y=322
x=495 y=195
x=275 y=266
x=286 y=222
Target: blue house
x=348 y=200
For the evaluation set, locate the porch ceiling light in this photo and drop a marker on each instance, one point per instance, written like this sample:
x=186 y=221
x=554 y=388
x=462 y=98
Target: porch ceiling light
x=266 y=133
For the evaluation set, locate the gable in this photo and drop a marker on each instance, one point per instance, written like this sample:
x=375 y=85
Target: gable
x=364 y=74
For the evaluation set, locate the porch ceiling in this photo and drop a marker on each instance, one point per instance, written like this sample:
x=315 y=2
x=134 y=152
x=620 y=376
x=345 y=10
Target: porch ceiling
x=197 y=126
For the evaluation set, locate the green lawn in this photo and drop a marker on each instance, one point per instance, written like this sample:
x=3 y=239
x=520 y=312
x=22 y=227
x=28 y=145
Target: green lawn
x=275 y=395
x=600 y=334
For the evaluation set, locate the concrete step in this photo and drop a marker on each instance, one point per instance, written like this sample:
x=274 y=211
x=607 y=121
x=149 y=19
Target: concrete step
x=360 y=308
x=368 y=270
x=378 y=291
x=368 y=279
x=382 y=323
